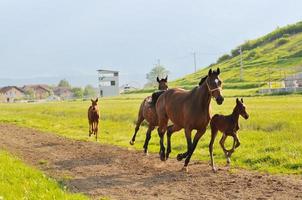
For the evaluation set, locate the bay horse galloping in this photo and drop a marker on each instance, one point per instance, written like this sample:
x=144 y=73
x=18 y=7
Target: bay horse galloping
x=93 y=118
x=147 y=112
x=229 y=126
x=189 y=110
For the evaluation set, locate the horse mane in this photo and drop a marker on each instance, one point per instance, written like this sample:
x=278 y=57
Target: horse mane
x=155 y=96
x=203 y=80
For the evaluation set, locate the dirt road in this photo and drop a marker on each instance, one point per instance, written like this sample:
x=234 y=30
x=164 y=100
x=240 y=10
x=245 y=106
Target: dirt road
x=109 y=171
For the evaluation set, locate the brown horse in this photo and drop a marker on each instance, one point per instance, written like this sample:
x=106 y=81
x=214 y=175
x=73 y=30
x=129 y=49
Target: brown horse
x=147 y=111
x=189 y=110
x=229 y=126
x=93 y=118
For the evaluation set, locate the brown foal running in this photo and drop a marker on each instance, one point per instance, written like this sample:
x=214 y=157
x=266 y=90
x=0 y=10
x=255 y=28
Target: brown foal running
x=93 y=118
x=189 y=110
x=229 y=126
x=147 y=112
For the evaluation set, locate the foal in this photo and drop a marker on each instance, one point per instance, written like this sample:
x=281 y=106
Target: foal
x=147 y=112
x=93 y=118
x=229 y=126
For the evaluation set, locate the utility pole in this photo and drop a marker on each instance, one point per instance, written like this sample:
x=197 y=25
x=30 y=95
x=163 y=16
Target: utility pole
x=241 y=64
x=194 y=56
x=158 y=65
x=158 y=62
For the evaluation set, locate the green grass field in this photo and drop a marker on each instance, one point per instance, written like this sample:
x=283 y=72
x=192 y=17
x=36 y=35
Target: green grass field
x=18 y=181
x=271 y=139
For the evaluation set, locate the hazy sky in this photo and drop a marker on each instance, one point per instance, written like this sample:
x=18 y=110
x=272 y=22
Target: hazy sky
x=45 y=40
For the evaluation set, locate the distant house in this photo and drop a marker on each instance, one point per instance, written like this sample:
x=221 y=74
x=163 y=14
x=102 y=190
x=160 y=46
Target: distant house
x=63 y=92
x=108 y=83
x=293 y=81
x=11 y=93
x=38 y=91
x=127 y=88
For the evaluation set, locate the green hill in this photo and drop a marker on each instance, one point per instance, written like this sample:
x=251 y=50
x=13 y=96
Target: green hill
x=269 y=58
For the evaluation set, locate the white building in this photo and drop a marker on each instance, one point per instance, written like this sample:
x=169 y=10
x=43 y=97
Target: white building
x=108 y=83
x=293 y=81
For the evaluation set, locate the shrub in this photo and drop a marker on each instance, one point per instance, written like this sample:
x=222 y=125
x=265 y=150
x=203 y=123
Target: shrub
x=280 y=42
x=224 y=58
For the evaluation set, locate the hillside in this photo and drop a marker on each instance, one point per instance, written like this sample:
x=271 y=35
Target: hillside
x=270 y=57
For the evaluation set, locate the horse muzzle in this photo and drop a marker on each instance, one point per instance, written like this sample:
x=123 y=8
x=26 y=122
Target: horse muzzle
x=219 y=100
x=246 y=116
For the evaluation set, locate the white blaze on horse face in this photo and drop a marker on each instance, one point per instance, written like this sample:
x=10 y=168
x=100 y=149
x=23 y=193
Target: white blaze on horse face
x=216 y=81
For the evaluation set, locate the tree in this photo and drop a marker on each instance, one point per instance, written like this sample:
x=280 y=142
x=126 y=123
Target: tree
x=30 y=94
x=64 y=83
x=77 y=92
x=157 y=71
x=89 y=91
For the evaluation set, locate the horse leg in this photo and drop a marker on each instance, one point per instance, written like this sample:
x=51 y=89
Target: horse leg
x=237 y=140
x=189 y=144
x=96 y=130
x=139 y=121
x=148 y=137
x=198 y=135
x=214 y=132
x=161 y=133
x=222 y=141
x=93 y=127
x=236 y=144
x=90 y=128
x=170 y=130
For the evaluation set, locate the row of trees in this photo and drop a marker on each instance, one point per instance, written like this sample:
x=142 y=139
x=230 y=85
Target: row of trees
x=79 y=92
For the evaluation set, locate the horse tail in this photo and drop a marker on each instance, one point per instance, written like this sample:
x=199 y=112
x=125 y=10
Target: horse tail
x=155 y=96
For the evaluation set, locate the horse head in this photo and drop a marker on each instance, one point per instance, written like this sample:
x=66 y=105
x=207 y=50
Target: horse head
x=94 y=103
x=241 y=108
x=162 y=83
x=214 y=85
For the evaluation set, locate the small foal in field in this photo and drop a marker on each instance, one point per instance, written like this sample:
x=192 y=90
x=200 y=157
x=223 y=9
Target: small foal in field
x=229 y=126
x=93 y=118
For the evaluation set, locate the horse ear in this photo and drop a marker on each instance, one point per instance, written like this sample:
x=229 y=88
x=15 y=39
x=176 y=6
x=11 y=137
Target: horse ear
x=166 y=79
x=242 y=100
x=97 y=99
x=157 y=79
x=91 y=100
x=218 y=71
x=210 y=72
x=237 y=100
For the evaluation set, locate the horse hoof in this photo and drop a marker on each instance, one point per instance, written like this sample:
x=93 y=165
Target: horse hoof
x=185 y=169
x=179 y=157
x=162 y=157
x=228 y=161
x=146 y=153
x=132 y=142
x=214 y=169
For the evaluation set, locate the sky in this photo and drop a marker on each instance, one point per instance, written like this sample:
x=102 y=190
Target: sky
x=43 y=41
